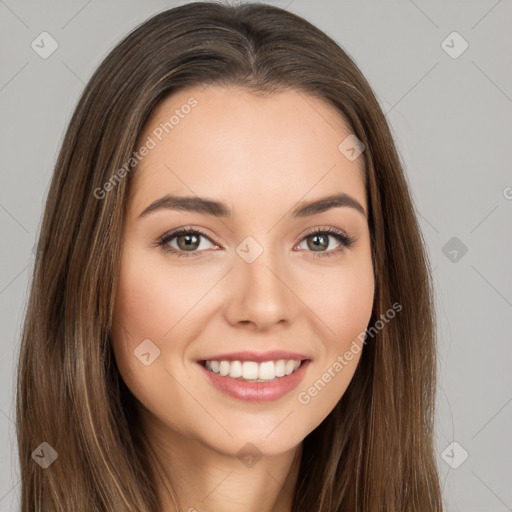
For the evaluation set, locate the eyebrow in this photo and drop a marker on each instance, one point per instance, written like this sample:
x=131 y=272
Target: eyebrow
x=220 y=209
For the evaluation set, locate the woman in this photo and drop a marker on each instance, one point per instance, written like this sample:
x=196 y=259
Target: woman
x=231 y=305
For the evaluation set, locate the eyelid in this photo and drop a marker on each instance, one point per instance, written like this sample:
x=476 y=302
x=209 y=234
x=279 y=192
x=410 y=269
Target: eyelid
x=324 y=229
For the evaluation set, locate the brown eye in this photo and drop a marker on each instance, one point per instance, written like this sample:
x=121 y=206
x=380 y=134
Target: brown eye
x=188 y=241
x=318 y=241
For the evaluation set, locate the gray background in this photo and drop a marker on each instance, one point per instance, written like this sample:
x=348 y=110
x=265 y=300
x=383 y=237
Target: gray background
x=451 y=119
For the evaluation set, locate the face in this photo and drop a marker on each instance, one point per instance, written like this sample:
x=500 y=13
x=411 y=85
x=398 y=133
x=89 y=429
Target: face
x=256 y=278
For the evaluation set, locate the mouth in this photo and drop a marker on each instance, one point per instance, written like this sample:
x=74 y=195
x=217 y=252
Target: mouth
x=253 y=371
x=254 y=381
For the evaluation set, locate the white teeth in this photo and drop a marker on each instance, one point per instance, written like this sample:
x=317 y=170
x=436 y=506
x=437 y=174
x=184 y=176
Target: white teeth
x=249 y=370
x=235 y=369
x=289 y=367
x=267 y=370
x=280 y=368
x=224 y=368
x=253 y=371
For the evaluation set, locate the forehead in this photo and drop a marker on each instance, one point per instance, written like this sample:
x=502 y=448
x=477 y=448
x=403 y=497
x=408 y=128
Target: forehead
x=229 y=143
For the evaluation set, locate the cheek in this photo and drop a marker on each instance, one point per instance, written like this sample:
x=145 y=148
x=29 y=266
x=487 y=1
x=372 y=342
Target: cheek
x=343 y=301
x=351 y=307
x=141 y=312
x=139 y=309
x=151 y=299
x=147 y=307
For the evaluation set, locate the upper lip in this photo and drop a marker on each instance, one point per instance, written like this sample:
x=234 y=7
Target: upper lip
x=259 y=357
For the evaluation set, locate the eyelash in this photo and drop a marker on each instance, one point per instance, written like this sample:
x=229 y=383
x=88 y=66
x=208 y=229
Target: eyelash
x=345 y=240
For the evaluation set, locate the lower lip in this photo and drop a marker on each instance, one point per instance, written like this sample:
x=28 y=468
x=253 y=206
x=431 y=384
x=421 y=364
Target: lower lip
x=258 y=391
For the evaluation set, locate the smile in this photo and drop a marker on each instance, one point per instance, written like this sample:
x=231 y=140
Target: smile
x=255 y=382
x=252 y=371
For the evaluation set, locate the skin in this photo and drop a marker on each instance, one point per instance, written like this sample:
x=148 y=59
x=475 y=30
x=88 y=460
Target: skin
x=262 y=156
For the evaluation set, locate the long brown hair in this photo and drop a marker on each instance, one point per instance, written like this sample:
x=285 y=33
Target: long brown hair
x=374 y=452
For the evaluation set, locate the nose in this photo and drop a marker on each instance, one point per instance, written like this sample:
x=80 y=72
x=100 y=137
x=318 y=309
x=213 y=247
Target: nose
x=261 y=294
